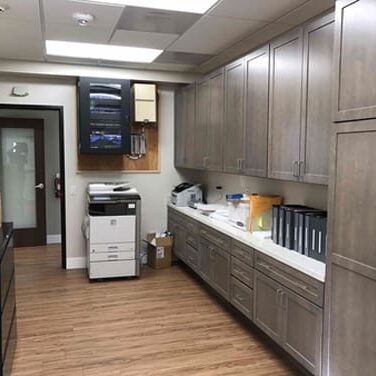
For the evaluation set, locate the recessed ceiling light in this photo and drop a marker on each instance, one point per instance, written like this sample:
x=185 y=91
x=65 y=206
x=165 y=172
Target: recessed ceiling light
x=101 y=51
x=190 y=6
x=83 y=19
x=3 y=8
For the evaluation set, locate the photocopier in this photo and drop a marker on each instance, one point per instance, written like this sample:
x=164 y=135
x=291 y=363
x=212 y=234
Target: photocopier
x=112 y=230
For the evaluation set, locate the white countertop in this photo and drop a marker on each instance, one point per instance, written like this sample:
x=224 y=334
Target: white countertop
x=263 y=243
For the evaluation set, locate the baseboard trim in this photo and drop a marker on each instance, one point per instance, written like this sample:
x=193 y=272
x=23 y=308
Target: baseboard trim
x=76 y=263
x=54 y=239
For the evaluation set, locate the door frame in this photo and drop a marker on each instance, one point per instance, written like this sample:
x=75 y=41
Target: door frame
x=60 y=110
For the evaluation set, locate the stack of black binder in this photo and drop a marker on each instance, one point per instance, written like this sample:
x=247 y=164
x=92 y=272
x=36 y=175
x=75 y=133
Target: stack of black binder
x=300 y=228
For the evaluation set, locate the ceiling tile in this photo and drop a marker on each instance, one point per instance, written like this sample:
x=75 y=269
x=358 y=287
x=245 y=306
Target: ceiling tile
x=22 y=10
x=61 y=11
x=264 y=10
x=143 y=39
x=75 y=33
x=172 y=57
x=156 y=21
x=212 y=34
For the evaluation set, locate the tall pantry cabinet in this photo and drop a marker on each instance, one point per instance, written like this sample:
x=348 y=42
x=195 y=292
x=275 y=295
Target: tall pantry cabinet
x=351 y=265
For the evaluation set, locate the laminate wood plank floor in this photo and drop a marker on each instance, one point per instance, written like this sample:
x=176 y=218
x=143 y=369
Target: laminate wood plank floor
x=163 y=324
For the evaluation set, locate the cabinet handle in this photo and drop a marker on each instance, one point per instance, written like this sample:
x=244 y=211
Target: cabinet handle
x=295 y=169
x=278 y=297
x=239 y=298
x=301 y=168
x=284 y=300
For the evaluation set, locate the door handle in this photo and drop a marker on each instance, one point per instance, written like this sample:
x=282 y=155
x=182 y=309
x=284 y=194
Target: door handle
x=39 y=186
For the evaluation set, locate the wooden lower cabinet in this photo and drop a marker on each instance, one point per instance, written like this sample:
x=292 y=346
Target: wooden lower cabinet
x=242 y=297
x=220 y=269
x=291 y=320
x=281 y=301
x=267 y=311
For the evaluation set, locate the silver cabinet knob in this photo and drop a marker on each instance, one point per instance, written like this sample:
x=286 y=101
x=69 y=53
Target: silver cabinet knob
x=39 y=186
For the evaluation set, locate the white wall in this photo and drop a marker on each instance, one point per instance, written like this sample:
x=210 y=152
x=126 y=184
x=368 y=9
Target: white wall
x=52 y=162
x=154 y=187
x=299 y=193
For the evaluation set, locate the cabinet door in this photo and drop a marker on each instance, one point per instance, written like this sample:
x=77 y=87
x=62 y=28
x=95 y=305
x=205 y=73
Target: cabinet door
x=233 y=140
x=201 y=126
x=286 y=59
x=180 y=242
x=180 y=129
x=318 y=61
x=215 y=125
x=220 y=270
x=189 y=124
x=256 y=112
x=302 y=330
x=350 y=305
x=355 y=51
x=267 y=313
x=204 y=260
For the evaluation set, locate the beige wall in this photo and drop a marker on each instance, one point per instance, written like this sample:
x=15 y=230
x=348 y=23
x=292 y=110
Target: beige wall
x=154 y=187
x=299 y=193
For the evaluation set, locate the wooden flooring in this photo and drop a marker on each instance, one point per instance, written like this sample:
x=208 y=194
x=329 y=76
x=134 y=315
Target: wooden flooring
x=163 y=324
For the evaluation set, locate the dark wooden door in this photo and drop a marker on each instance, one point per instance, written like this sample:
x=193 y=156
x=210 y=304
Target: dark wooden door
x=317 y=113
x=286 y=63
x=233 y=141
x=355 y=50
x=22 y=165
x=256 y=112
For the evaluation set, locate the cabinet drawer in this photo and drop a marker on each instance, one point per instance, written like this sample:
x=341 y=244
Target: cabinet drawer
x=302 y=284
x=242 y=252
x=215 y=237
x=10 y=349
x=241 y=297
x=192 y=240
x=192 y=257
x=242 y=271
x=192 y=227
x=6 y=273
x=7 y=316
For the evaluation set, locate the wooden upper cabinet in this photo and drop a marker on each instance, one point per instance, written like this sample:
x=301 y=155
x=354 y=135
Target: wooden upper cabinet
x=233 y=139
x=180 y=114
x=256 y=112
x=189 y=124
x=355 y=50
x=317 y=84
x=214 y=134
x=286 y=63
x=201 y=125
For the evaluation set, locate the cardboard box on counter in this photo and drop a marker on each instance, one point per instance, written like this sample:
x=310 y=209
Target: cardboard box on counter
x=159 y=251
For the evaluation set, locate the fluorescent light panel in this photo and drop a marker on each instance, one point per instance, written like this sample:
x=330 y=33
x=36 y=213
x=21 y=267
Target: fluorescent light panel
x=190 y=6
x=101 y=51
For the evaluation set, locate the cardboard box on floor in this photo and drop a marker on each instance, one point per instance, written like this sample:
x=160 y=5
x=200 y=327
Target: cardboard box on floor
x=159 y=255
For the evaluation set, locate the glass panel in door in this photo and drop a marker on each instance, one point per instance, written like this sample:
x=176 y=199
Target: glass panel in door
x=18 y=177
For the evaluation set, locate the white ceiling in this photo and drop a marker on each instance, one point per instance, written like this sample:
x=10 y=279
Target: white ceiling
x=188 y=39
